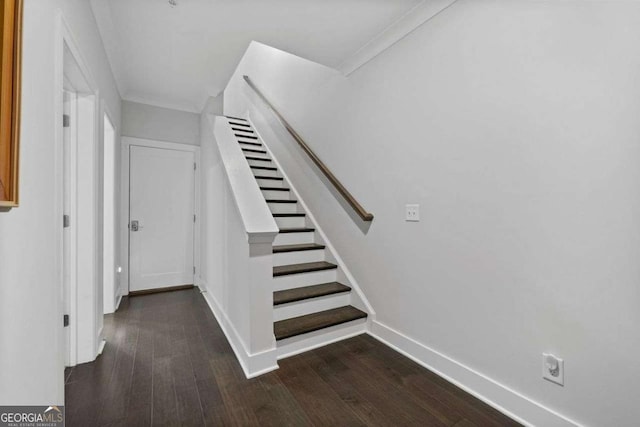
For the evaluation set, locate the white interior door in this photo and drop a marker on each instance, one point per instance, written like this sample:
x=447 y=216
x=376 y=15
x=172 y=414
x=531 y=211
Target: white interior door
x=161 y=218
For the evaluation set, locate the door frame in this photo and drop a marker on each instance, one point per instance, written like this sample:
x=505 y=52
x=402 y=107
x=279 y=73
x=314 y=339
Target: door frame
x=127 y=142
x=84 y=323
x=117 y=280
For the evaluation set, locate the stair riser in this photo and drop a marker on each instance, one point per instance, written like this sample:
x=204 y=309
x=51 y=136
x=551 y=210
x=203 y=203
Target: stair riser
x=298 y=257
x=253 y=151
x=265 y=162
x=253 y=145
x=270 y=182
x=275 y=194
x=290 y=222
x=264 y=172
x=283 y=207
x=243 y=132
x=294 y=238
x=292 y=281
x=291 y=346
x=249 y=142
x=314 y=305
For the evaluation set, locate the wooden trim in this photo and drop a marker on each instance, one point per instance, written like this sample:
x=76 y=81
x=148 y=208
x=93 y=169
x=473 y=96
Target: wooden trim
x=160 y=290
x=10 y=81
x=362 y=213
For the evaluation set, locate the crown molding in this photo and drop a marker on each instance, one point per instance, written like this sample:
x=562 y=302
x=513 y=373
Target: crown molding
x=406 y=24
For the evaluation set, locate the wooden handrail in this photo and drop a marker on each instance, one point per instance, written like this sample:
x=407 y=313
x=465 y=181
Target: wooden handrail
x=362 y=213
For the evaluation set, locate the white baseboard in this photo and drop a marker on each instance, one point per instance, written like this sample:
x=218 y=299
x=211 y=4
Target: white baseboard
x=511 y=403
x=254 y=364
x=118 y=301
x=101 y=347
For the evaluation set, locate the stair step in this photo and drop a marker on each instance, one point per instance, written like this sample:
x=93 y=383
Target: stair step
x=273 y=178
x=313 y=322
x=295 y=248
x=243 y=130
x=308 y=292
x=289 y=215
x=297 y=230
x=253 y=150
x=264 y=168
x=274 y=189
x=239 y=124
x=262 y=159
x=246 y=136
x=306 y=267
x=281 y=201
x=255 y=144
x=236 y=118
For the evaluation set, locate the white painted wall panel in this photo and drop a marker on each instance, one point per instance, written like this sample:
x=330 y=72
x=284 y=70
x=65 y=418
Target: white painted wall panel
x=160 y=124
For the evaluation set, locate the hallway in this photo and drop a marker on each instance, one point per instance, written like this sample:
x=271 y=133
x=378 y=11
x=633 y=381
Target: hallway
x=167 y=362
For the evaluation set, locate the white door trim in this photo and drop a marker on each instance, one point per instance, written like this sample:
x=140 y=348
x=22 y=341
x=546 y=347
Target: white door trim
x=105 y=111
x=127 y=142
x=84 y=346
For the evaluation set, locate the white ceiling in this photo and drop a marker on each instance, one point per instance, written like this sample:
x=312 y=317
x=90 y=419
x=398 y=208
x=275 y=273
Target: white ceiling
x=178 y=57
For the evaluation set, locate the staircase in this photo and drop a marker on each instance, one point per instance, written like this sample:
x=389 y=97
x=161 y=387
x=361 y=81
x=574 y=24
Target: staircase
x=311 y=307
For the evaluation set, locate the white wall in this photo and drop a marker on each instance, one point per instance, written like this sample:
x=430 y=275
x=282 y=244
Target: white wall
x=111 y=154
x=212 y=208
x=514 y=125
x=30 y=294
x=160 y=124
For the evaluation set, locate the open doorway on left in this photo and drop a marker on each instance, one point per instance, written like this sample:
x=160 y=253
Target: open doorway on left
x=79 y=197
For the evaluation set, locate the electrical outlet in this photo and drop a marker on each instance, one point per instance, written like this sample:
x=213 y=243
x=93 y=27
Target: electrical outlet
x=413 y=213
x=553 y=368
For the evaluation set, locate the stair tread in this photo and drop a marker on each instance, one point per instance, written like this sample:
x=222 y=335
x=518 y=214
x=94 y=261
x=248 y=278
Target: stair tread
x=308 y=292
x=243 y=130
x=275 y=188
x=296 y=230
x=262 y=159
x=305 y=267
x=240 y=124
x=313 y=322
x=236 y=118
x=267 y=168
x=246 y=136
x=289 y=215
x=253 y=143
x=253 y=150
x=297 y=247
x=281 y=201
x=273 y=178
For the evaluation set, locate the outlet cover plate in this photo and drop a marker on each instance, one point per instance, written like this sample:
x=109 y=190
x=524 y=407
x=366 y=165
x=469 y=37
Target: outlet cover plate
x=412 y=213
x=556 y=375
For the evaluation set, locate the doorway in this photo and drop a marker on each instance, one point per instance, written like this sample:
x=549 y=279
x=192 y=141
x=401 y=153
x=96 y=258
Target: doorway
x=162 y=216
x=77 y=204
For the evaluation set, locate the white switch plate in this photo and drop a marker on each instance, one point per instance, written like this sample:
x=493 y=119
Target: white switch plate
x=413 y=213
x=553 y=368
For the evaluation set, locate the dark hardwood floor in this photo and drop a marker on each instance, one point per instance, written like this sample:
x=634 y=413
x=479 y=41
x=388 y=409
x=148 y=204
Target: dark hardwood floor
x=167 y=362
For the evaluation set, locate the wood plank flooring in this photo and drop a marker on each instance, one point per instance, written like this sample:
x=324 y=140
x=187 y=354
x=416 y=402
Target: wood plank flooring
x=168 y=363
